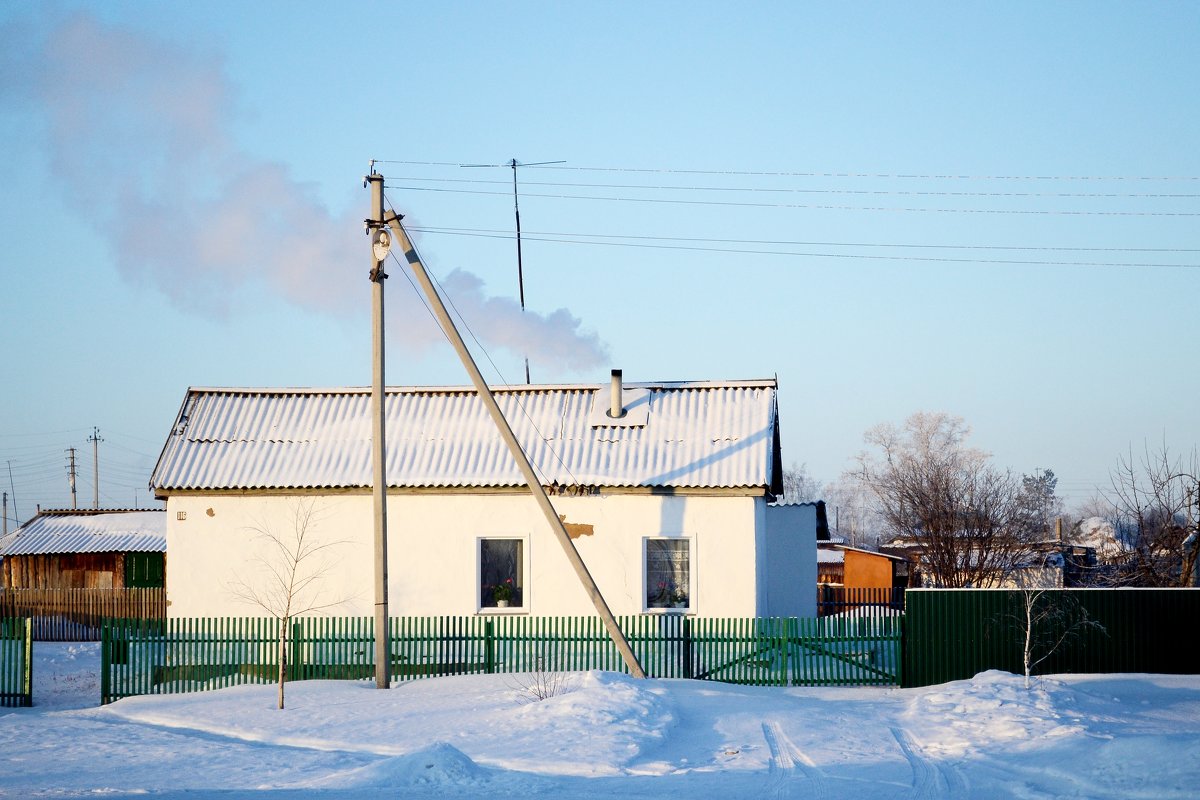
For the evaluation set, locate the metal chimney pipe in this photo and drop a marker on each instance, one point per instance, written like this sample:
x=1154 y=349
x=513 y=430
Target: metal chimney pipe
x=616 y=409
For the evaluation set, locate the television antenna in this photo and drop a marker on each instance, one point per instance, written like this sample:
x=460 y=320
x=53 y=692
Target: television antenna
x=513 y=164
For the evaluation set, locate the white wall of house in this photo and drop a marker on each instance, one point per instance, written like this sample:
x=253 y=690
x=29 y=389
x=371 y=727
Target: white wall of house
x=434 y=551
x=791 y=561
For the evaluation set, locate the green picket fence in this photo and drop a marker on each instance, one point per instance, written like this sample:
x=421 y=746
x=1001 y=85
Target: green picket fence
x=16 y=662
x=861 y=647
x=953 y=634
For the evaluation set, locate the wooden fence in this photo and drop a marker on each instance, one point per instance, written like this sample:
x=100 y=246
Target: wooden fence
x=75 y=615
x=833 y=600
x=16 y=662
x=188 y=655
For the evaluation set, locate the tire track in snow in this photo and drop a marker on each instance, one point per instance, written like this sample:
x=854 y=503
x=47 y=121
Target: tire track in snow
x=926 y=771
x=786 y=761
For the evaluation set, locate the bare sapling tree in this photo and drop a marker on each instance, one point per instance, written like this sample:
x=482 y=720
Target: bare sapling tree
x=293 y=564
x=541 y=683
x=964 y=519
x=1048 y=619
x=1153 y=502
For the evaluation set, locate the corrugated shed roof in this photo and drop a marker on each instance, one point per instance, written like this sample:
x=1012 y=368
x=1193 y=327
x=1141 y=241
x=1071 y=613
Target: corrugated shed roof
x=697 y=435
x=89 y=532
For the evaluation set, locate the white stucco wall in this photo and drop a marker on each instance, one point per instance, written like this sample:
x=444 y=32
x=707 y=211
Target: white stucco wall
x=433 y=554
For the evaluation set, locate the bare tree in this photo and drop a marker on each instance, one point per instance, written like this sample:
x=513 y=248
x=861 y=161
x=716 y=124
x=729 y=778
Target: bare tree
x=541 y=684
x=855 y=511
x=291 y=571
x=1048 y=619
x=963 y=518
x=1152 y=501
x=799 y=486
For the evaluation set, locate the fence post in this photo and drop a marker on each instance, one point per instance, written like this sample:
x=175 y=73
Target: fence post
x=296 y=671
x=27 y=678
x=489 y=647
x=788 y=632
x=689 y=664
x=105 y=677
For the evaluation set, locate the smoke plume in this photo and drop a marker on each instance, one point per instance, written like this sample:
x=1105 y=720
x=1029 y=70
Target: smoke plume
x=141 y=128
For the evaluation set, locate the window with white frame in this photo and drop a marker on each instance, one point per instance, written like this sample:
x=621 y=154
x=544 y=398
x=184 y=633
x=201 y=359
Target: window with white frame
x=501 y=573
x=668 y=572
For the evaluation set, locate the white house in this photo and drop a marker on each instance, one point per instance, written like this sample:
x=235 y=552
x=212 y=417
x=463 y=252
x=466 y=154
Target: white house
x=667 y=505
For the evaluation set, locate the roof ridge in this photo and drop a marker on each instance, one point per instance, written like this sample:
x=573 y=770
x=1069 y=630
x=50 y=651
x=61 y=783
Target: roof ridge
x=753 y=383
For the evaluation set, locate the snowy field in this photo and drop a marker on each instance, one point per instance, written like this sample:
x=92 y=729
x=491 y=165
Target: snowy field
x=1098 y=736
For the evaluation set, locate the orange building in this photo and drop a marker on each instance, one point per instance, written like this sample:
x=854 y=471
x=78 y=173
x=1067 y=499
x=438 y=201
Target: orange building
x=866 y=569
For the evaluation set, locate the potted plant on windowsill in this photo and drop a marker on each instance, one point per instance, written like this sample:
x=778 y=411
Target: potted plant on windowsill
x=668 y=595
x=502 y=593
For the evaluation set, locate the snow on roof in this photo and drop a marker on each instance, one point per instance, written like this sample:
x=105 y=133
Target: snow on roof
x=872 y=552
x=830 y=556
x=701 y=435
x=89 y=532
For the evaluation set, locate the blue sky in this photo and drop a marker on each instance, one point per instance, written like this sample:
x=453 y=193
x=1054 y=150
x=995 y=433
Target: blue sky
x=965 y=208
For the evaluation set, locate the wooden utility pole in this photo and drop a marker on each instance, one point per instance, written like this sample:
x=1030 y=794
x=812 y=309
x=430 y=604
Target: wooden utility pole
x=510 y=440
x=379 y=243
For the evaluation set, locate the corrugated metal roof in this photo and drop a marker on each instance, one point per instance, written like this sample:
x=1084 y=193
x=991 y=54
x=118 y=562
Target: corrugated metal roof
x=118 y=532
x=697 y=435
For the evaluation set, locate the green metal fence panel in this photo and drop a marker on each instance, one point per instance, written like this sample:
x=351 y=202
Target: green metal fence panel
x=187 y=655
x=953 y=634
x=16 y=662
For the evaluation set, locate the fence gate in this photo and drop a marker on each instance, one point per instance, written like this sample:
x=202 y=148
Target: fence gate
x=16 y=662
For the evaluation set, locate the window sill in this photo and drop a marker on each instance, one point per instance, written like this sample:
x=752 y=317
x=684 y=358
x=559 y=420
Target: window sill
x=672 y=610
x=493 y=611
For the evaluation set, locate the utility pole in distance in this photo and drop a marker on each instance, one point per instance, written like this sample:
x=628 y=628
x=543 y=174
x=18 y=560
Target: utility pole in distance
x=95 y=440
x=71 y=474
x=380 y=243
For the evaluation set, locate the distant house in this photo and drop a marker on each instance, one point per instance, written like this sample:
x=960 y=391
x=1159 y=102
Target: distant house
x=1050 y=564
x=86 y=549
x=669 y=504
x=867 y=569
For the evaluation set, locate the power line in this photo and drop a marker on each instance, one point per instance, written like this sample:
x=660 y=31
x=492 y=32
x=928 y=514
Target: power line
x=803 y=243
x=814 y=254
x=794 y=190
x=855 y=175
x=815 y=207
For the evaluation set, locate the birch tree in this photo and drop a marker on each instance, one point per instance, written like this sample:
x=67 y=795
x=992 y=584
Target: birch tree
x=288 y=583
x=1048 y=619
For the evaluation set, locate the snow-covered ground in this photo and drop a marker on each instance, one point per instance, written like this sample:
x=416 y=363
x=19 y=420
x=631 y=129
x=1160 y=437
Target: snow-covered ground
x=1094 y=736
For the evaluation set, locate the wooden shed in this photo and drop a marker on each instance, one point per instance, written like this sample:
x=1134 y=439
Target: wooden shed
x=86 y=549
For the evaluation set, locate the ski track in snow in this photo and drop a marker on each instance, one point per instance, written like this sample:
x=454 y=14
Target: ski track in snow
x=927 y=771
x=786 y=760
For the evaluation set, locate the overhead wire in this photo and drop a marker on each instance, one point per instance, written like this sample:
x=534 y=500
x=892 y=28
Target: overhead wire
x=809 y=254
x=488 y=356
x=801 y=174
x=793 y=190
x=812 y=206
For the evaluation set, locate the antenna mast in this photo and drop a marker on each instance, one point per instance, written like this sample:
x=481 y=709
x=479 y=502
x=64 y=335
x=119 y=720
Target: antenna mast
x=513 y=163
